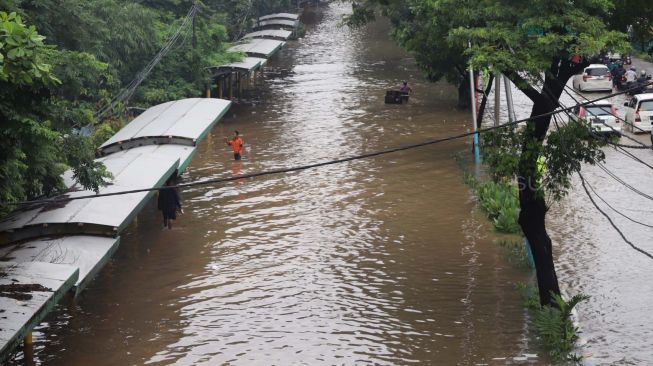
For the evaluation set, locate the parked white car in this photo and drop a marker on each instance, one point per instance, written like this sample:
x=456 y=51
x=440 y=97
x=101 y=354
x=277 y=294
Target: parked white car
x=595 y=77
x=601 y=117
x=639 y=113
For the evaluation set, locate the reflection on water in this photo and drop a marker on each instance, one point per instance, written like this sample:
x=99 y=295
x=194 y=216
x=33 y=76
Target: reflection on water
x=379 y=261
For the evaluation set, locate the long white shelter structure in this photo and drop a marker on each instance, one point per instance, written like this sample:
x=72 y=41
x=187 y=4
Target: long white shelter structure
x=47 y=250
x=180 y=122
x=255 y=47
x=86 y=253
x=276 y=34
x=288 y=16
x=248 y=64
x=277 y=23
x=28 y=292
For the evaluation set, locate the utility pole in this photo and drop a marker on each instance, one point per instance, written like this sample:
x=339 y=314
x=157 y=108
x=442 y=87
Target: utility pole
x=511 y=108
x=497 y=100
x=472 y=86
x=194 y=37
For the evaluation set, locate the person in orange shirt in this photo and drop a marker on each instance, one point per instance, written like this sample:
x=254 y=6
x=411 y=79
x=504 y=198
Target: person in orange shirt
x=237 y=145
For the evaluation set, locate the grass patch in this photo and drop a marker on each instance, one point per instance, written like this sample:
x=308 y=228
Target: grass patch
x=553 y=325
x=516 y=252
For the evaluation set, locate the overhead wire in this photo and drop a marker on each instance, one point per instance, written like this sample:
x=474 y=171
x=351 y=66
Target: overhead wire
x=583 y=182
x=128 y=91
x=642 y=251
x=308 y=166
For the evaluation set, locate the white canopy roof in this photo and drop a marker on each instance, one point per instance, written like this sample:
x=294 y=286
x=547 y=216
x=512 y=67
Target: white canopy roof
x=247 y=64
x=185 y=118
x=288 y=16
x=280 y=34
x=258 y=47
x=144 y=167
x=279 y=23
x=87 y=253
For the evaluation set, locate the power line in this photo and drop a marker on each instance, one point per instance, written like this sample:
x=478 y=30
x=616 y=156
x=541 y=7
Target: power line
x=582 y=180
x=617 y=147
x=614 y=209
x=614 y=226
x=309 y=166
x=127 y=92
x=615 y=177
x=592 y=200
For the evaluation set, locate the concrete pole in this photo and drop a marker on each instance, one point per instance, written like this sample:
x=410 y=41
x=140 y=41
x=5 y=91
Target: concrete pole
x=231 y=86
x=472 y=86
x=497 y=100
x=28 y=350
x=511 y=108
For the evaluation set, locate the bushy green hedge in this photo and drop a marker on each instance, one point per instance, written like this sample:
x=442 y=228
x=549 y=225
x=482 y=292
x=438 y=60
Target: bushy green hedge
x=553 y=325
x=500 y=201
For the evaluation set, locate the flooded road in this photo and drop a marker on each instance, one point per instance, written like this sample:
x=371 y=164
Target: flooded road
x=595 y=260
x=591 y=256
x=379 y=261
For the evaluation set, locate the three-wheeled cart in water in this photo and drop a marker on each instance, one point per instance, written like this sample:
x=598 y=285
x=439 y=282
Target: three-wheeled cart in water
x=396 y=97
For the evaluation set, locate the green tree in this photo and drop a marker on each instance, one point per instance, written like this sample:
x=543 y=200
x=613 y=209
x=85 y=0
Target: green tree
x=412 y=28
x=33 y=154
x=637 y=14
x=533 y=43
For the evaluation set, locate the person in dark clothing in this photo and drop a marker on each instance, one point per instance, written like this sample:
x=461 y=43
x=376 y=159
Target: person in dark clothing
x=169 y=203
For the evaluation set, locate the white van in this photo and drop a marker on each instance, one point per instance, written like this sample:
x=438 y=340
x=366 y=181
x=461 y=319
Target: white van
x=595 y=77
x=601 y=117
x=639 y=113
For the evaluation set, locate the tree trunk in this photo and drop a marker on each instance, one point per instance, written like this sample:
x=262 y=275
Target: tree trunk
x=481 y=109
x=464 y=96
x=531 y=197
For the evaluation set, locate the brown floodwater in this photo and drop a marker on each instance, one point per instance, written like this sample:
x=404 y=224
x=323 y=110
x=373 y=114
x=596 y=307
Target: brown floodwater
x=377 y=261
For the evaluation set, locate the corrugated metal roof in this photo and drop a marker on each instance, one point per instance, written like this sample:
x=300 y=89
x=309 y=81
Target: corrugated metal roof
x=280 y=34
x=20 y=317
x=186 y=118
x=144 y=167
x=87 y=253
x=247 y=64
x=278 y=22
x=280 y=16
x=258 y=47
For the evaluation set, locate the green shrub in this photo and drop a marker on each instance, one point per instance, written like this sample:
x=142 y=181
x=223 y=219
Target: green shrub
x=553 y=325
x=516 y=252
x=556 y=329
x=500 y=201
x=102 y=133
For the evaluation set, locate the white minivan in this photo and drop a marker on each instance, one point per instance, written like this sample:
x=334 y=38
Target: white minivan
x=601 y=117
x=639 y=113
x=595 y=77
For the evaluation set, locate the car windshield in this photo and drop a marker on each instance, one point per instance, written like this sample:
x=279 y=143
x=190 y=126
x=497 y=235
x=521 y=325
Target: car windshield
x=646 y=105
x=599 y=110
x=597 y=72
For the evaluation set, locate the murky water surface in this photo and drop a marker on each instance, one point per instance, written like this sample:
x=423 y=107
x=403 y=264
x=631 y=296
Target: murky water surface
x=382 y=261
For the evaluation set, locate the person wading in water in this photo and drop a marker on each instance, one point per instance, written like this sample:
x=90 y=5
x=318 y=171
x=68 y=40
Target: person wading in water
x=237 y=145
x=169 y=203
